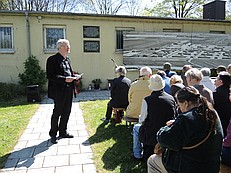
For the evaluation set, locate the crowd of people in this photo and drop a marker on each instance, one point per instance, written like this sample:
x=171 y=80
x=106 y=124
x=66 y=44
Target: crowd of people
x=184 y=121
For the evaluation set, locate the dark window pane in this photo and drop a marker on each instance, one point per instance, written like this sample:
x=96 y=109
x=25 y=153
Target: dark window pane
x=119 y=39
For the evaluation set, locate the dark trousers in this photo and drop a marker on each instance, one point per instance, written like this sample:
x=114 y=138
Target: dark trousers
x=226 y=156
x=148 y=151
x=61 y=112
x=109 y=110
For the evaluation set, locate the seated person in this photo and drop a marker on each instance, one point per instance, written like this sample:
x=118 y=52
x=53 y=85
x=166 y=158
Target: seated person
x=167 y=69
x=220 y=68
x=226 y=147
x=194 y=77
x=176 y=84
x=138 y=90
x=222 y=103
x=156 y=109
x=192 y=141
x=182 y=75
x=229 y=69
x=166 y=80
x=206 y=81
x=119 y=92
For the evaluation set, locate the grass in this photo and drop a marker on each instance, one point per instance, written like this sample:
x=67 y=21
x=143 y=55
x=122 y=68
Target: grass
x=111 y=143
x=14 y=117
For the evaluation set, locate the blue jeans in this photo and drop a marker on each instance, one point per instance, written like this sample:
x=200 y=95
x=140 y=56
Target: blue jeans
x=137 y=145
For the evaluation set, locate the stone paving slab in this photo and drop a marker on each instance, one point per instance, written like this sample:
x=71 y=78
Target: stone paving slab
x=34 y=153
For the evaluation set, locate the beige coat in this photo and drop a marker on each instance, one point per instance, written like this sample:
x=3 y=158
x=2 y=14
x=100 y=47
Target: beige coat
x=138 y=90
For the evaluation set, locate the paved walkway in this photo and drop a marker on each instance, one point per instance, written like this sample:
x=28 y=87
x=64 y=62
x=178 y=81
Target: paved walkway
x=34 y=153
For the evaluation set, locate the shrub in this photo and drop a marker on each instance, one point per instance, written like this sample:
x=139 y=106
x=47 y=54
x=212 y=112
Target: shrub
x=10 y=91
x=33 y=74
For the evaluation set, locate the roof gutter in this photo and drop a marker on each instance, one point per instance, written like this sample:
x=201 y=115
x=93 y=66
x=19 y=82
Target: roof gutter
x=28 y=34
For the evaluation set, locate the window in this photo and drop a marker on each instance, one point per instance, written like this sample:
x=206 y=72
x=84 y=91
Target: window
x=91 y=46
x=52 y=35
x=171 y=30
x=120 y=37
x=91 y=32
x=6 y=38
x=217 y=32
x=91 y=42
x=119 y=40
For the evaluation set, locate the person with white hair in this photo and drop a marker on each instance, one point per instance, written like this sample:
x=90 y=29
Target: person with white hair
x=206 y=81
x=138 y=90
x=60 y=89
x=228 y=69
x=194 y=77
x=157 y=108
x=119 y=92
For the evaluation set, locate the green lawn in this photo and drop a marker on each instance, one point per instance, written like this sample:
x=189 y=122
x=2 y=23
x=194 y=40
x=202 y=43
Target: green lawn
x=14 y=117
x=111 y=143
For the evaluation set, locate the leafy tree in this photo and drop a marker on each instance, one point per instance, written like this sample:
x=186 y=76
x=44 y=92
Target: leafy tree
x=177 y=8
x=33 y=74
x=3 y=4
x=40 y=5
x=103 y=6
x=132 y=7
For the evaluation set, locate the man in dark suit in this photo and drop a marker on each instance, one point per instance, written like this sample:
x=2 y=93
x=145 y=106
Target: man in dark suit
x=60 y=89
x=119 y=92
x=222 y=103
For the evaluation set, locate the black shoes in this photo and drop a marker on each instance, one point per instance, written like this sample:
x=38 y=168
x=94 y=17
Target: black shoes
x=106 y=121
x=136 y=159
x=66 y=135
x=54 y=140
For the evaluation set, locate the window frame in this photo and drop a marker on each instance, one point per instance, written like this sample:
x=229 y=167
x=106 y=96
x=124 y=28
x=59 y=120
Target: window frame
x=51 y=50
x=8 y=50
x=119 y=29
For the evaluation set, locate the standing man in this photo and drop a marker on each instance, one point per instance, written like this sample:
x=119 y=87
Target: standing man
x=60 y=89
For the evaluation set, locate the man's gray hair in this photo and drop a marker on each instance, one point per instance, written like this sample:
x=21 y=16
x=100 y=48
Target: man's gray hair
x=121 y=70
x=60 y=42
x=194 y=73
x=205 y=71
x=145 y=71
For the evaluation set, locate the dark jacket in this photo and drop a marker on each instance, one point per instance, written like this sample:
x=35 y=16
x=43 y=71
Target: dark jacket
x=222 y=105
x=176 y=87
x=56 y=78
x=119 y=92
x=189 y=129
x=161 y=108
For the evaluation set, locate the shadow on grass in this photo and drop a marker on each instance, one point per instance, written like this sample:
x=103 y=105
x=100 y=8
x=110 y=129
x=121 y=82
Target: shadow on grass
x=3 y=160
x=117 y=155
